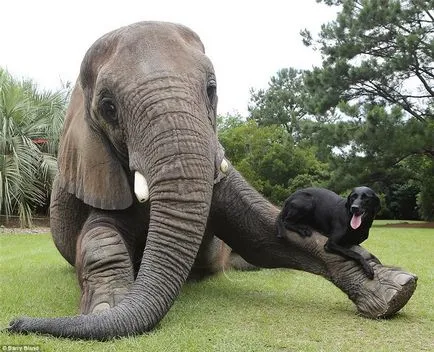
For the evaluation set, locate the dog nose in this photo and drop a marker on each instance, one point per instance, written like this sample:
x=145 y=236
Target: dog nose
x=354 y=208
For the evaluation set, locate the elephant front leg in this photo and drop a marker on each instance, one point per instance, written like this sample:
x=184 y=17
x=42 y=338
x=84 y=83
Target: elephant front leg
x=247 y=223
x=104 y=269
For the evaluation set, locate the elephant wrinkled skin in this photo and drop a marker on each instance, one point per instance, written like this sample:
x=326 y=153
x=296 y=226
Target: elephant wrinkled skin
x=144 y=196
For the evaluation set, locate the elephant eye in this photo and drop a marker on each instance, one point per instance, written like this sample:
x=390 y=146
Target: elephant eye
x=108 y=109
x=211 y=90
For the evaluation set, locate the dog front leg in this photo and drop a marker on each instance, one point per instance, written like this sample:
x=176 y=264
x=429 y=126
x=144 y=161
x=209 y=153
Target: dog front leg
x=333 y=247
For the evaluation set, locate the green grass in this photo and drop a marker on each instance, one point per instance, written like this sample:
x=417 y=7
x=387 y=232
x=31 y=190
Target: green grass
x=387 y=222
x=268 y=310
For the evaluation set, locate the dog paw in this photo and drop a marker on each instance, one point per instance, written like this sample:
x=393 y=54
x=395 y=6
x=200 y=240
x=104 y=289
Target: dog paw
x=368 y=271
x=304 y=231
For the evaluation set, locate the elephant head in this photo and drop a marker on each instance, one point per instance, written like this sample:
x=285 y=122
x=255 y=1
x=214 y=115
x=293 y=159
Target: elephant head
x=142 y=123
x=142 y=113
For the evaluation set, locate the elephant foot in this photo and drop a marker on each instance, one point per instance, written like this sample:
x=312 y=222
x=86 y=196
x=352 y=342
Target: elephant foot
x=104 y=270
x=380 y=297
x=386 y=294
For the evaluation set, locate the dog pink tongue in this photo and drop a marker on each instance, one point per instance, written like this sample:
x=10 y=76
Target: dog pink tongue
x=356 y=220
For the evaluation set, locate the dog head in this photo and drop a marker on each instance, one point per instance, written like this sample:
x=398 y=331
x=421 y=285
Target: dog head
x=362 y=205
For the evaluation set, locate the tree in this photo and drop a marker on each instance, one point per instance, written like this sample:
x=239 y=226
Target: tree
x=426 y=196
x=281 y=103
x=368 y=110
x=29 y=128
x=377 y=63
x=270 y=161
x=376 y=51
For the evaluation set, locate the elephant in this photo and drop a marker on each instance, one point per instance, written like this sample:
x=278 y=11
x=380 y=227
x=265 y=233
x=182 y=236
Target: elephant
x=144 y=195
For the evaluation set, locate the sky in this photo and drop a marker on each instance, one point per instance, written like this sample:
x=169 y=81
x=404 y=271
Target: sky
x=247 y=41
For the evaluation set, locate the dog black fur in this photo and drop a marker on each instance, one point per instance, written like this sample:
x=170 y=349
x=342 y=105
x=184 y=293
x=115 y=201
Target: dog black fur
x=344 y=222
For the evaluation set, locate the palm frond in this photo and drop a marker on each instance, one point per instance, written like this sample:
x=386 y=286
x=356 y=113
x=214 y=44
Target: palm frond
x=30 y=126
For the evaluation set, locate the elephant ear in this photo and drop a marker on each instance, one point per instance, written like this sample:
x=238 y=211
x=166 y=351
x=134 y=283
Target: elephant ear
x=87 y=167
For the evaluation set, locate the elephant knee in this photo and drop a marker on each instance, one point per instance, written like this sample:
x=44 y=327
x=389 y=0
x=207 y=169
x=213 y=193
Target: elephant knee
x=213 y=257
x=101 y=252
x=104 y=269
x=239 y=263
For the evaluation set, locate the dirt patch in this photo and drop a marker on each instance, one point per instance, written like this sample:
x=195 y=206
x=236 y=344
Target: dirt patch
x=422 y=225
x=12 y=225
x=14 y=221
x=18 y=230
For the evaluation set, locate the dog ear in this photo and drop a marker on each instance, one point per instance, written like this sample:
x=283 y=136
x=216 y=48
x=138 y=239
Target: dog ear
x=377 y=204
x=348 y=202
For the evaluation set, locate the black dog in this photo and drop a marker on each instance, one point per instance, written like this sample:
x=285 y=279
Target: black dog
x=344 y=222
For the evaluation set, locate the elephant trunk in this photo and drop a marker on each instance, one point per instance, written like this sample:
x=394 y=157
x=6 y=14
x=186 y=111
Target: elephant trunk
x=178 y=164
x=180 y=191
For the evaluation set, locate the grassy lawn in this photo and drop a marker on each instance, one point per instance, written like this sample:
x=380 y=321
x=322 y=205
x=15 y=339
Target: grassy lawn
x=387 y=222
x=268 y=310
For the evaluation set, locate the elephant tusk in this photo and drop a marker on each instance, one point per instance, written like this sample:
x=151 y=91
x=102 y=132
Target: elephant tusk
x=224 y=166
x=141 y=187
